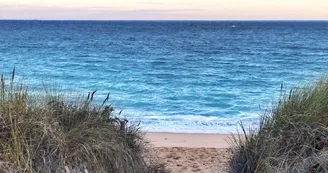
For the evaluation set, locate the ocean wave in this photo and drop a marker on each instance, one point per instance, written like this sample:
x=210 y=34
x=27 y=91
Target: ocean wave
x=153 y=122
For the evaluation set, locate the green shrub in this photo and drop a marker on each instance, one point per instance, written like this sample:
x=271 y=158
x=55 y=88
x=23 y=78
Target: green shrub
x=291 y=138
x=49 y=132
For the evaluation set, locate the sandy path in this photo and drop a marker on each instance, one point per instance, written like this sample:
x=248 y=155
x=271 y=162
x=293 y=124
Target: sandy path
x=188 y=153
x=190 y=140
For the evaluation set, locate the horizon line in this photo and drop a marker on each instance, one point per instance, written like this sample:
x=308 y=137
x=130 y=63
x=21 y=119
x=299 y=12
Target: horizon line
x=128 y=20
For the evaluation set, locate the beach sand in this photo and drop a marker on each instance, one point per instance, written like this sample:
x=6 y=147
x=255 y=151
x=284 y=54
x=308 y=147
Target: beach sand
x=186 y=153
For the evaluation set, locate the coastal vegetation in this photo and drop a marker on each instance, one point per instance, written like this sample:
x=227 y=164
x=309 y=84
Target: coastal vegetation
x=291 y=138
x=51 y=132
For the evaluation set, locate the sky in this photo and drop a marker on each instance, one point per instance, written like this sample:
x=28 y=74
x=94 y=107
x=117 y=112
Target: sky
x=164 y=9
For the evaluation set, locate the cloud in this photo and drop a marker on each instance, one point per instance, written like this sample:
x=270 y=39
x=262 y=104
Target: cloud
x=91 y=13
x=36 y=7
x=166 y=11
x=163 y=10
x=162 y=3
x=100 y=8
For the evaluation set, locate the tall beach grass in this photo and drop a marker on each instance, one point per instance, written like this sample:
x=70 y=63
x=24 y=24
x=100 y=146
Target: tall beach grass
x=291 y=138
x=47 y=132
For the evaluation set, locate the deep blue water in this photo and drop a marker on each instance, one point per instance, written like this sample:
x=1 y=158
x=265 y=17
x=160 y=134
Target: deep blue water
x=180 y=76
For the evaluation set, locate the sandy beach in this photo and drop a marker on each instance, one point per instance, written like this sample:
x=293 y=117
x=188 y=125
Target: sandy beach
x=186 y=153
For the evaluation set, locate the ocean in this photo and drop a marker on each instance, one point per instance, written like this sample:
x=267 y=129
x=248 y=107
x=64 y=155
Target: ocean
x=175 y=76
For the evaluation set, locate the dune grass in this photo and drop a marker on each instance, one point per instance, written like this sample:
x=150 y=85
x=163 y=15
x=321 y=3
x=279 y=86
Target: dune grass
x=49 y=132
x=290 y=138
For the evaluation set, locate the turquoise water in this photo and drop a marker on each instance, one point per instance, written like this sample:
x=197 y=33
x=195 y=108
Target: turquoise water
x=177 y=76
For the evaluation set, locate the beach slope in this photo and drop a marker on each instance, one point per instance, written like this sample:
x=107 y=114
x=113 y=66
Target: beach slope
x=185 y=152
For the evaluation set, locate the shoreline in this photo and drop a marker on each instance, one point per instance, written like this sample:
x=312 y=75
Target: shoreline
x=188 y=140
x=192 y=152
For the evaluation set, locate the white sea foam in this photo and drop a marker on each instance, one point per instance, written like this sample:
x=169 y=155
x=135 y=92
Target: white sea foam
x=189 y=123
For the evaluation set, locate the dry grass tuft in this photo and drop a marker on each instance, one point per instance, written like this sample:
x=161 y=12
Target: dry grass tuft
x=292 y=138
x=47 y=132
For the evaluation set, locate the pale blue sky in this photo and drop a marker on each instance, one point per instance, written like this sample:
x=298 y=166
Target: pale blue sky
x=165 y=9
